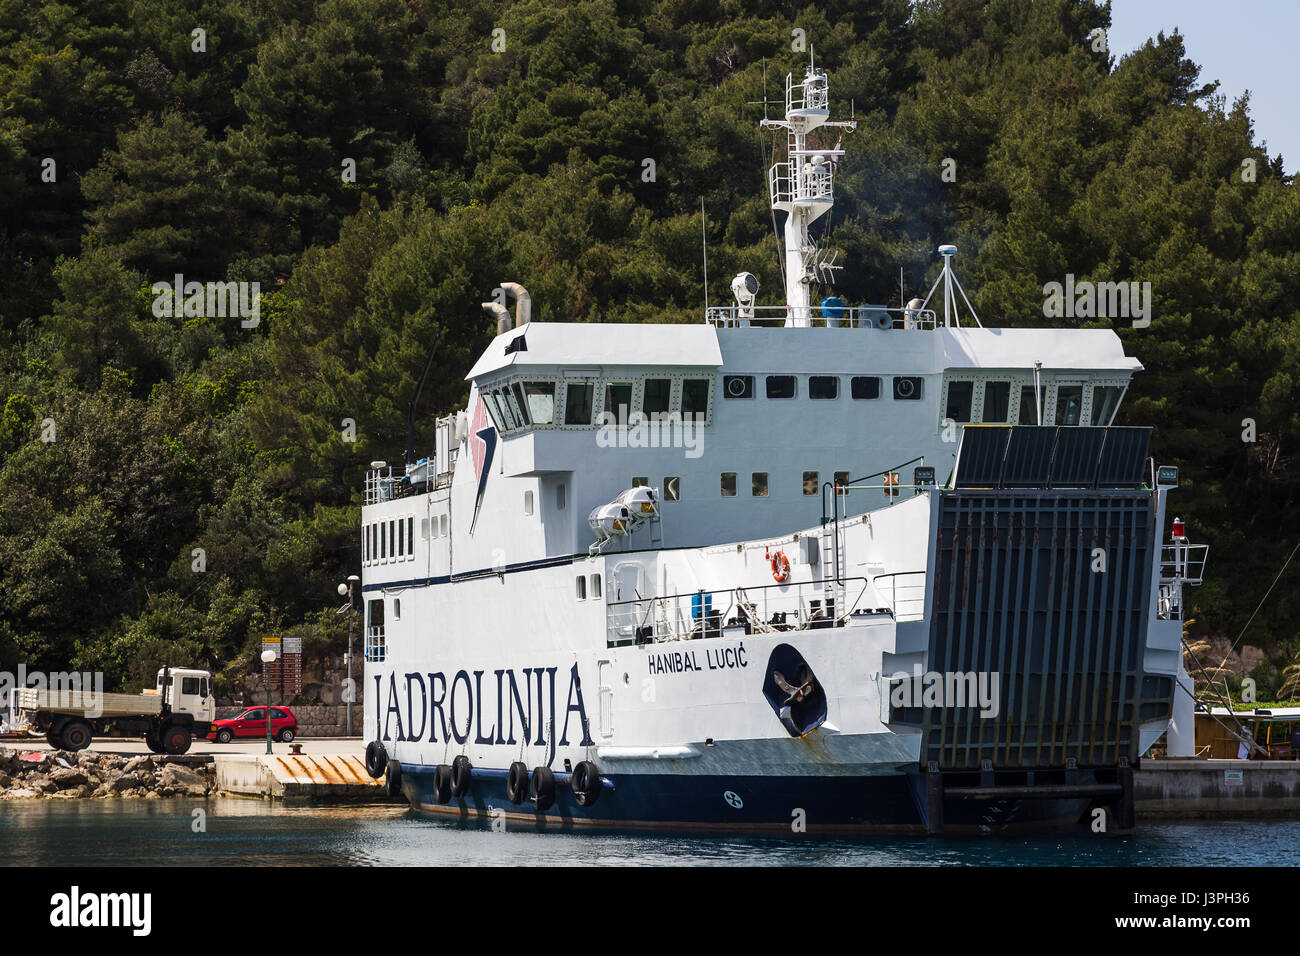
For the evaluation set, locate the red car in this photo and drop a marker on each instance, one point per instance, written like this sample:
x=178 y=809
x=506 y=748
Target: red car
x=252 y=723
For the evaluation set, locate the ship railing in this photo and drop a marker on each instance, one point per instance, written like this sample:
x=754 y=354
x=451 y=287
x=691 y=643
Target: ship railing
x=737 y=611
x=381 y=485
x=903 y=592
x=811 y=94
x=786 y=186
x=1183 y=563
x=852 y=317
x=376 y=648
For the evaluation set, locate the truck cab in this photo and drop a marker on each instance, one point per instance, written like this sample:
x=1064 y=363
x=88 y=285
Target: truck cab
x=188 y=692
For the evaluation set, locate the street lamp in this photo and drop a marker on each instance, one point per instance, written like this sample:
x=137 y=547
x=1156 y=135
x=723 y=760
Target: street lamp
x=267 y=657
x=345 y=590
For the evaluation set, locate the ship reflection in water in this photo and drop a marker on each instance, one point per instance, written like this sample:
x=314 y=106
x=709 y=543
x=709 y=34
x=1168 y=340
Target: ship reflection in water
x=250 y=833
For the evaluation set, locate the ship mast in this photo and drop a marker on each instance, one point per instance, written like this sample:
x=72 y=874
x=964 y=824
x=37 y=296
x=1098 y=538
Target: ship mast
x=801 y=187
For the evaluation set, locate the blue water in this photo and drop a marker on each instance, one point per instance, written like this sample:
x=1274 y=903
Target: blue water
x=251 y=832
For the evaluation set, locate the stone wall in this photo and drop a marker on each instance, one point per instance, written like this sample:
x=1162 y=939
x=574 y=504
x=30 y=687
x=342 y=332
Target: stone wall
x=320 y=720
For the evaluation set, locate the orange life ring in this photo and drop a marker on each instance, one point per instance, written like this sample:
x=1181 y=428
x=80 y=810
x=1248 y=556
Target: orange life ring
x=780 y=567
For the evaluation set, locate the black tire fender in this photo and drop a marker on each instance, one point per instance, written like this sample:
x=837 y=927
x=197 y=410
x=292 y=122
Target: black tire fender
x=585 y=781
x=376 y=759
x=441 y=783
x=517 y=783
x=393 y=778
x=541 y=789
x=461 y=772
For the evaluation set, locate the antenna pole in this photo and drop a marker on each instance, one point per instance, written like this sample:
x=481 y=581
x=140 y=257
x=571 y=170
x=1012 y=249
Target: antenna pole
x=704 y=239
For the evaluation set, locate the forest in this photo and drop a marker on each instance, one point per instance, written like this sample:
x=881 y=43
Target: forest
x=174 y=487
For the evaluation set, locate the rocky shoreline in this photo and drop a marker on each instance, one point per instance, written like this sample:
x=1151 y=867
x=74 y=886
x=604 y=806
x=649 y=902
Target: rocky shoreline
x=63 y=774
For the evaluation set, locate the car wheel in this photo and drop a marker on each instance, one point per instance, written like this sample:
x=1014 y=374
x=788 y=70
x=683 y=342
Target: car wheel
x=286 y=735
x=224 y=735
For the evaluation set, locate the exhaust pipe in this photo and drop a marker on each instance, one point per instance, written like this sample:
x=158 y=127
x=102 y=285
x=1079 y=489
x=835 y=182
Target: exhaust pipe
x=523 y=302
x=500 y=314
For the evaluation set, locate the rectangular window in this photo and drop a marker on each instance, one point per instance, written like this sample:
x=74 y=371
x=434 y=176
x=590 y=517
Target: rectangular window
x=864 y=386
x=528 y=502
x=190 y=685
x=842 y=478
x=961 y=398
x=410 y=537
x=672 y=489
x=758 y=484
x=508 y=416
x=517 y=393
x=1105 y=402
x=618 y=402
x=559 y=497
x=810 y=482
x=580 y=583
x=424 y=529
x=1069 y=404
x=595 y=585
x=997 y=402
x=1028 y=406
x=657 y=396
x=494 y=412
x=823 y=386
x=738 y=386
x=442 y=525
x=695 y=396
x=541 y=402
x=383 y=540
x=907 y=388
x=640 y=482
x=392 y=537
x=365 y=543
x=780 y=386
x=397 y=609
x=401 y=538
x=577 y=403
x=728 y=484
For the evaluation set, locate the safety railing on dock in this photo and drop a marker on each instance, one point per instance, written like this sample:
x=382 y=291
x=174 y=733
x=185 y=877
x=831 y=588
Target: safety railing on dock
x=762 y=609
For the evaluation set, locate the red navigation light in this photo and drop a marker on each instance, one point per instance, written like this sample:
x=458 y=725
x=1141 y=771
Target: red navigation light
x=1180 y=529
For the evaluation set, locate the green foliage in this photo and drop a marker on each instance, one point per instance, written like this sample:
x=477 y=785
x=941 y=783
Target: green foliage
x=179 y=437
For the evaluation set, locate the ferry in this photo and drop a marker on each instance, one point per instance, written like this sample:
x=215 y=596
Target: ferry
x=814 y=567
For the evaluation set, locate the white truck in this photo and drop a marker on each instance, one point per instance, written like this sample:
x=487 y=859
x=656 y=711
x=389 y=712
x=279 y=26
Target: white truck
x=168 y=717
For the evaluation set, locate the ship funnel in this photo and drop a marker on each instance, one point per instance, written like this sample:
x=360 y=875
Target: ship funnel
x=523 y=302
x=502 y=316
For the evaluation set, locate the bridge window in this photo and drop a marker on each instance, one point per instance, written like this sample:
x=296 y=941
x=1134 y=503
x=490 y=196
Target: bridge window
x=1105 y=403
x=810 y=482
x=657 y=396
x=695 y=396
x=541 y=402
x=997 y=402
x=823 y=386
x=780 y=386
x=1028 y=406
x=758 y=484
x=728 y=484
x=577 y=403
x=961 y=398
x=518 y=405
x=738 y=386
x=618 y=403
x=864 y=386
x=494 y=411
x=508 y=416
x=1069 y=404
